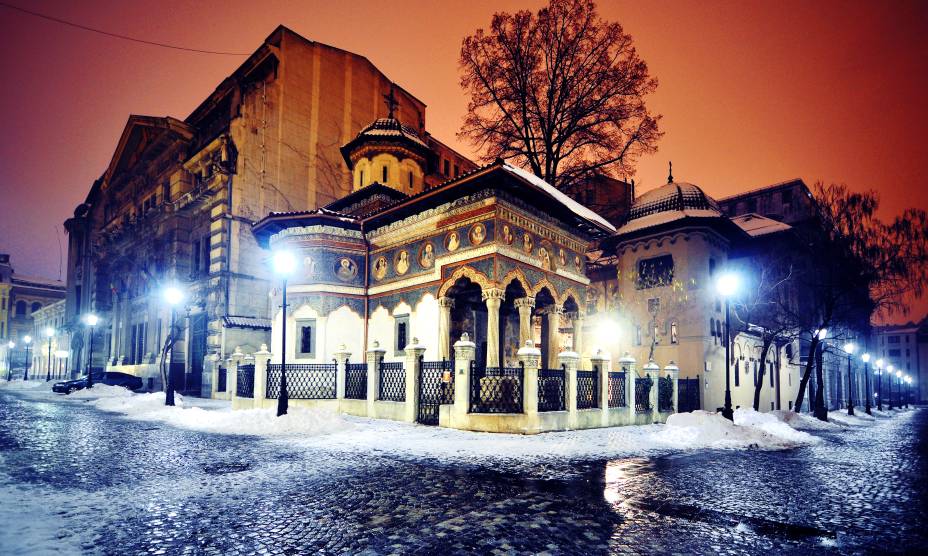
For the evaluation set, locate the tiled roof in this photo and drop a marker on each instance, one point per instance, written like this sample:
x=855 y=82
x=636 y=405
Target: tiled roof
x=247 y=322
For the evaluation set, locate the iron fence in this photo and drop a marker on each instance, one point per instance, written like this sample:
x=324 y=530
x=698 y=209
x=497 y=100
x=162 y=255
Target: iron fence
x=665 y=394
x=643 y=393
x=304 y=382
x=221 y=380
x=617 y=389
x=245 y=387
x=392 y=387
x=551 y=389
x=687 y=394
x=588 y=389
x=496 y=389
x=356 y=381
x=436 y=387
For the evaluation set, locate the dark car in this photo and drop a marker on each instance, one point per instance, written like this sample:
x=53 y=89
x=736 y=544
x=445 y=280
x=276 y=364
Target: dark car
x=111 y=378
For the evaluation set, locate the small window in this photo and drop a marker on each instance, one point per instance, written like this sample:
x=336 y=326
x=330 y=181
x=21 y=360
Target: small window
x=457 y=171
x=673 y=333
x=20 y=308
x=789 y=352
x=790 y=405
x=718 y=329
x=410 y=180
x=786 y=196
x=384 y=174
x=712 y=327
x=755 y=369
x=637 y=335
x=770 y=372
x=655 y=272
x=36 y=306
x=306 y=330
x=446 y=168
x=737 y=373
x=360 y=178
x=402 y=334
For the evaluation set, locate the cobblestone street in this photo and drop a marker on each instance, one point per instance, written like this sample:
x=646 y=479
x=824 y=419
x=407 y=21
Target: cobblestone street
x=94 y=482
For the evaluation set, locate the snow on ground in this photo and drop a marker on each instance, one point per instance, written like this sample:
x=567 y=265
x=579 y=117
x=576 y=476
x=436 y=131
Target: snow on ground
x=772 y=425
x=20 y=384
x=803 y=421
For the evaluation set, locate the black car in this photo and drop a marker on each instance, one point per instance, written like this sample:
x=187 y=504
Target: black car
x=111 y=378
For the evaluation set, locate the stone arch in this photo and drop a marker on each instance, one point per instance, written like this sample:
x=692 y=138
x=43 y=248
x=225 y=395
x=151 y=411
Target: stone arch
x=517 y=275
x=545 y=283
x=475 y=276
x=569 y=293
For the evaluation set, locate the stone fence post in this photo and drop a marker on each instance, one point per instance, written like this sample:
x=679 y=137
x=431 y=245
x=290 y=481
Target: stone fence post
x=627 y=365
x=530 y=358
x=673 y=371
x=413 y=364
x=342 y=355
x=374 y=358
x=261 y=358
x=602 y=361
x=464 y=352
x=232 y=373
x=568 y=360
x=214 y=364
x=652 y=371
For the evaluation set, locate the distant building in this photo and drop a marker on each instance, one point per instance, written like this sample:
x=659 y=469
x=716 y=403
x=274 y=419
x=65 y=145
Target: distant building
x=49 y=353
x=790 y=202
x=20 y=298
x=177 y=201
x=905 y=346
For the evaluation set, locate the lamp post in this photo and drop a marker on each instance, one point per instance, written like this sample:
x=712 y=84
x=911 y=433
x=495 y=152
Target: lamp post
x=899 y=390
x=49 y=333
x=9 y=360
x=91 y=321
x=27 y=339
x=908 y=382
x=879 y=385
x=866 y=359
x=61 y=355
x=849 y=349
x=727 y=285
x=889 y=369
x=284 y=265
x=173 y=296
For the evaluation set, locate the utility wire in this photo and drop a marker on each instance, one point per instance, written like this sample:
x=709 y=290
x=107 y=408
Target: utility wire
x=118 y=36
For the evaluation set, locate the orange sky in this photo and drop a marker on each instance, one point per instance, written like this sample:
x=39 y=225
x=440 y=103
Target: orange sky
x=751 y=92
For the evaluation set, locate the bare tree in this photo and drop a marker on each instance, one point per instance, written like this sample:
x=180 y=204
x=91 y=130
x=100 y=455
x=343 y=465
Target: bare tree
x=561 y=91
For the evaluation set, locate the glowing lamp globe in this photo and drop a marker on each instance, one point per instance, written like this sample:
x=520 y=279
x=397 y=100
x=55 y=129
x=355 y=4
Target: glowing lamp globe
x=173 y=296
x=284 y=263
x=865 y=357
x=850 y=347
x=91 y=319
x=49 y=332
x=727 y=284
x=27 y=339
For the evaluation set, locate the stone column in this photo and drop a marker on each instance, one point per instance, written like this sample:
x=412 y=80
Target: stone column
x=554 y=336
x=232 y=372
x=673 y=371
x=601 y=361
x=569 y=359
x=530 y=358
x=445 y=304
x=493 y=297
x=525 y=305
x=261 y=358
x=342 y=355
x=652 y=370
x=213 y=374
x=374 y=358
x=413 y=364
x=577 y=323
x=627 y=365
x=464 y=352
x=114 y=333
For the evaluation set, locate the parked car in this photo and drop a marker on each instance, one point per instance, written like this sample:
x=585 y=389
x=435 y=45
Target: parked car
x=111 y=378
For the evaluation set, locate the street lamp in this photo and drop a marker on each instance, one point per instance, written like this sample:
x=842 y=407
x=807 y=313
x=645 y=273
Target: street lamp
x=9 y=360
x=49 y=333
x=879 y=384
x=908 y=382
x=91 y=320
x=27 y=339
x=284 y=265
x=727 y=285
x=849 y=349
x=173 y=296
x=899 y=390
x=61 y=355
x=889 y=369
x=866 y=359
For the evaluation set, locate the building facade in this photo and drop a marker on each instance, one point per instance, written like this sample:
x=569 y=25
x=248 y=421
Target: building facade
x=51 y=342
x=21 y=298
x=178 y=199
x=905 y=347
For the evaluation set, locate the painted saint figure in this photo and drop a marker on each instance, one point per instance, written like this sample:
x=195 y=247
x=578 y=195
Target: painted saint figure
x=454 y=241
x=527 y=244
x=508 y=237
x=477 y=234
x=346 y=269
x=402 y=262
x=380 y=268
x=427 y=255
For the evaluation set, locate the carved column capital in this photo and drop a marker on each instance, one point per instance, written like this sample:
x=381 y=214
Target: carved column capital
x=525 y=302
x=447 y=302
x=493 y=294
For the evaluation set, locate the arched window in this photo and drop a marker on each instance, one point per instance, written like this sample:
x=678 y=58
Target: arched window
x=718 y=329
x=384 y=174
x=36 y=306
x=20 y=308
x=737 y=373
x=712 y=327
x=673 y=332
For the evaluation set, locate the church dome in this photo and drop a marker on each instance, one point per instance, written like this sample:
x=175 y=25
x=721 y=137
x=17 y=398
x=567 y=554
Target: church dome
x=390 y=128
x=672 y=197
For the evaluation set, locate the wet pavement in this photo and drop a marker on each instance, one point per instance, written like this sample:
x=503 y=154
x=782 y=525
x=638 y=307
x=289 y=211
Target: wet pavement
x=96 y=483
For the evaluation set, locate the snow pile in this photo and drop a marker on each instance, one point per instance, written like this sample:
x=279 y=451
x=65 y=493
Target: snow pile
x=747 y=417
x=258 y=422
x=841 y=417
x=710 y=430
x=20 y=384
x=803 y=421
x=101 y=391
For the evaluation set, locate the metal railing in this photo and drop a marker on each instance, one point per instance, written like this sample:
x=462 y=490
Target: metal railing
x=496 y=389
x=392 y=386
x=552 y=389
x=441 y=372
x=665 y=394
x=588 y=389
x=304 y=382
x=356 y=381
x=246 y=381
x=643 y=393
x=617 y=397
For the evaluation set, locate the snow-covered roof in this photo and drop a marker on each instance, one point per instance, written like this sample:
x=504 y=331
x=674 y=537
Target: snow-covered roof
x=658 y=218
x=756 y=225
x=668 y=203
x=559 y=196
x=247 y=322
x=391 y=128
